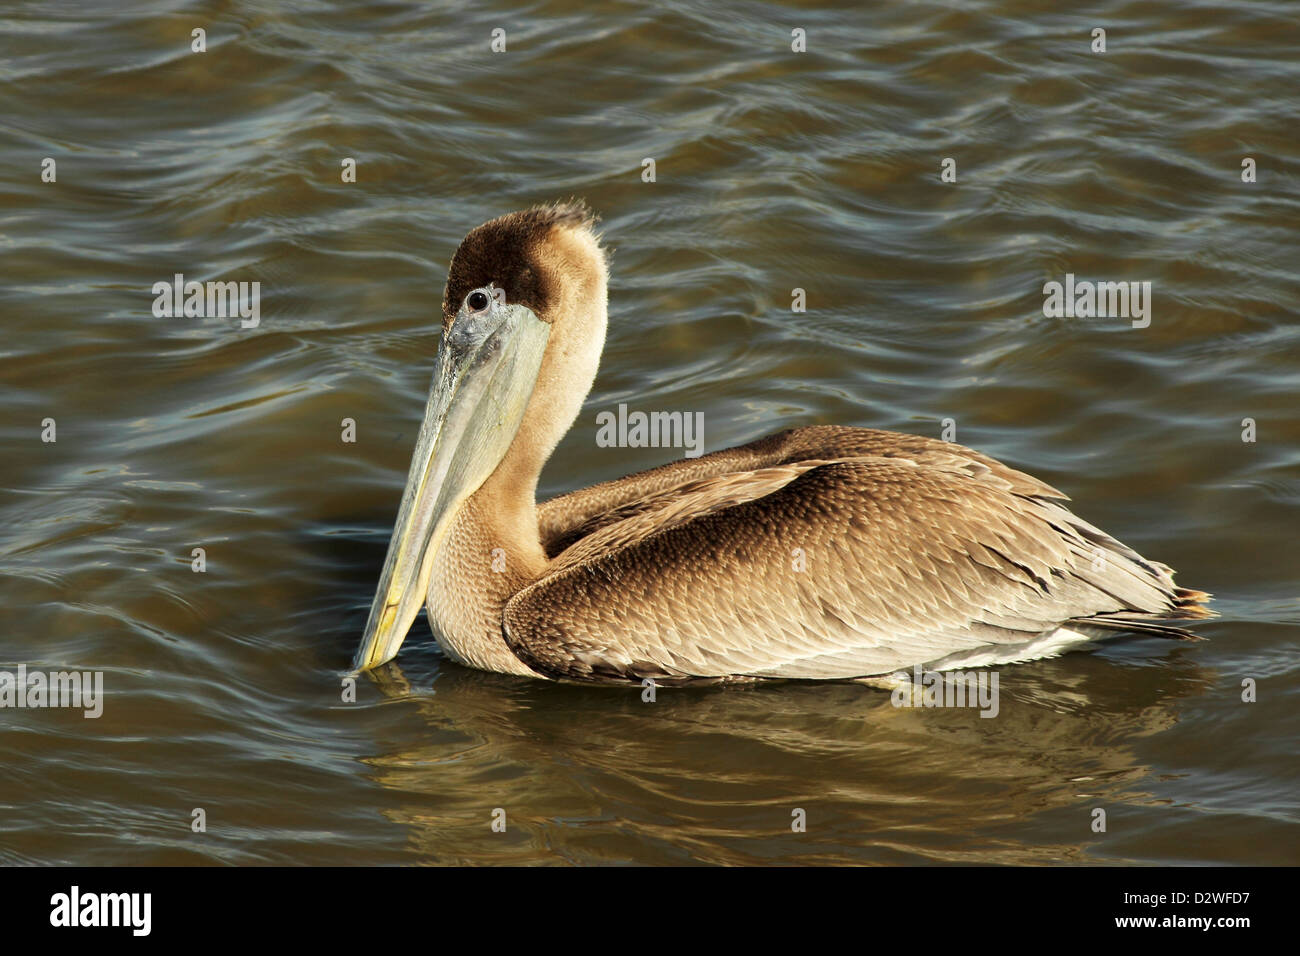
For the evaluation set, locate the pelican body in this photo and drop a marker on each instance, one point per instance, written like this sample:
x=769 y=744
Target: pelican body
x=821 y=553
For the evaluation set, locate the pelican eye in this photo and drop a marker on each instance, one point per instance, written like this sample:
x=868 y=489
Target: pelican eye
x=477 y=300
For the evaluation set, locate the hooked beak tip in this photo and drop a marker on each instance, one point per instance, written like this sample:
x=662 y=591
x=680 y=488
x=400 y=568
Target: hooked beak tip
x=375 y=646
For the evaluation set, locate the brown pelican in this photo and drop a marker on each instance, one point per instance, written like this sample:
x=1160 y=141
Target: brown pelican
x=818 y=553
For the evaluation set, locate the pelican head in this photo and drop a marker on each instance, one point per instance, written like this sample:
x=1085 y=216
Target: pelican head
x=523 y=325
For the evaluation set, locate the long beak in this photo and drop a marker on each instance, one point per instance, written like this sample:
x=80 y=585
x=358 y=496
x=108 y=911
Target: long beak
x=486 y=369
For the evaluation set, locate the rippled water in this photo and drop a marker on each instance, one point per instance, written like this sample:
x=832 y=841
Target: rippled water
x=775 y=170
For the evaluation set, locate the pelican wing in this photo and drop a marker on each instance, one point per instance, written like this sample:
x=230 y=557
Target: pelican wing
x=571 y=517
x=828 y=568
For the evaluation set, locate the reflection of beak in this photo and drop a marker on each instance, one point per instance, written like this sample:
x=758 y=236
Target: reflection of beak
x=487 y=366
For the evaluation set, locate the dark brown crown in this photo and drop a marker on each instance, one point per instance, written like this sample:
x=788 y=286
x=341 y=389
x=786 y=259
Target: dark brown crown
x=504 y=251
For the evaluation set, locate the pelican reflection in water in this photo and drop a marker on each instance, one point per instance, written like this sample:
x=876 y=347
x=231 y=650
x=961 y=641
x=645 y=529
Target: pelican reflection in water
x=916 y=552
